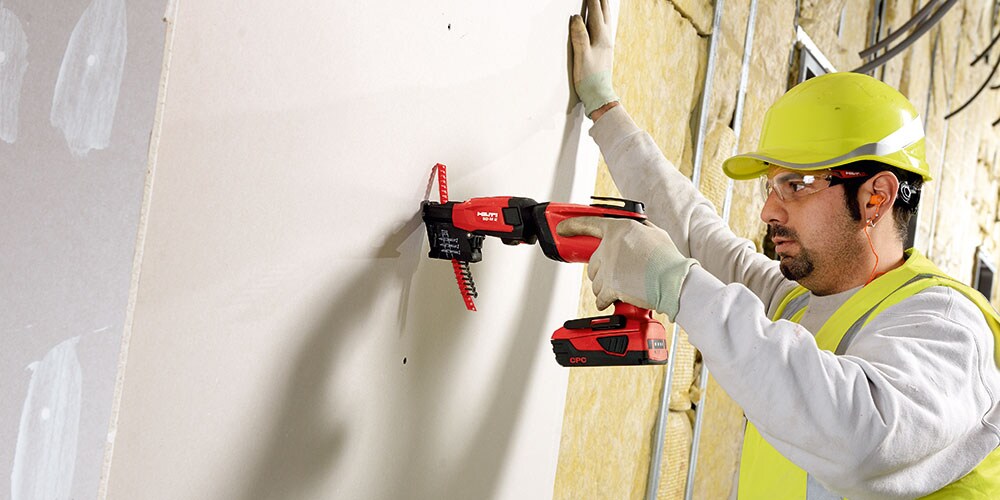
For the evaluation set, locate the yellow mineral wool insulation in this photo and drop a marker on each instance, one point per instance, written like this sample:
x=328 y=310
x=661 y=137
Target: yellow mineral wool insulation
x=939 y=76
x=852 y=31
x=718 y=146
x=728 y=61
x=605 y=186
x=744 y=216
x=898 y=12
x=910 y=72
x=774 y=36
x=684 y=372
x=966 y=133
x=609 y=418
x=950 y=27
x=698 y=12
x=659 y=66
x=984 y=200
x=838 y=28
x=676 y=454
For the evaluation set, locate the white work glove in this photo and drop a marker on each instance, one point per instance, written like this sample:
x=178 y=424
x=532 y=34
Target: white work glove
x=593 y=56
x=636 y=262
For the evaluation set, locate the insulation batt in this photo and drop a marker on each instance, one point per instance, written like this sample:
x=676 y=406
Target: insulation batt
x=909 y=408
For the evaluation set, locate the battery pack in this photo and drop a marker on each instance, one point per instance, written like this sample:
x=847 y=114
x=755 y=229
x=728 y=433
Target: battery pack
x=629 y=337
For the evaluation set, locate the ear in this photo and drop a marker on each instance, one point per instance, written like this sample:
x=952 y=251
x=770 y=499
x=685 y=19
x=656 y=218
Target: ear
x=878 y=195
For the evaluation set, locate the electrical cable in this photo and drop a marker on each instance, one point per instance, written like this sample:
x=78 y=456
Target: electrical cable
x=916 y=20
x=986 y=83
x=986 y=51
x=917 y=33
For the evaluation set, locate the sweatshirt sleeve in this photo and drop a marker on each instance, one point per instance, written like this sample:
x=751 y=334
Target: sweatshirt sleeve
x=642 y=173
x=908 y=409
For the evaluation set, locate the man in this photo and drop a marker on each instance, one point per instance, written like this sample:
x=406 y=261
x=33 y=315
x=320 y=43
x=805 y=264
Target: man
x=863 y=371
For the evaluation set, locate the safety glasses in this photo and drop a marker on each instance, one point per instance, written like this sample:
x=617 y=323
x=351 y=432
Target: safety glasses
x=789 y=185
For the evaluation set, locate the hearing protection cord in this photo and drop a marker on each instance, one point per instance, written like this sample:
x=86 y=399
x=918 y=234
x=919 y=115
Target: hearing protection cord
x=875 y=200
x=872 y=245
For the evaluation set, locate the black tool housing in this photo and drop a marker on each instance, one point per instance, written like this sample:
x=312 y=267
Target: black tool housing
x=447 y=241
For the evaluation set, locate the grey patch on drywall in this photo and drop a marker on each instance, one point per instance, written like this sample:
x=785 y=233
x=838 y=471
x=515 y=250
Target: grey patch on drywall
x=45 y=457
x=13 y=64
x=90 y=77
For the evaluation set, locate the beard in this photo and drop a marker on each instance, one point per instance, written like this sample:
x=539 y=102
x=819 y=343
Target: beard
x=823 y=268
x=798 y=267
x=794 y=267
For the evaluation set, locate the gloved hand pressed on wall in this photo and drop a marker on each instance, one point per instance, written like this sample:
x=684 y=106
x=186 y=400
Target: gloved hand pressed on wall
x=593 y=56
x=636 y=262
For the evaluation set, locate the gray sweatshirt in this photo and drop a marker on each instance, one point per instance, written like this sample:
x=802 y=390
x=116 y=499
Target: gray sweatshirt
x=911 y=406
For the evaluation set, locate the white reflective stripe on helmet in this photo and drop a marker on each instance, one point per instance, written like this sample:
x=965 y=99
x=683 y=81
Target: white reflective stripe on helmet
x=904 y=136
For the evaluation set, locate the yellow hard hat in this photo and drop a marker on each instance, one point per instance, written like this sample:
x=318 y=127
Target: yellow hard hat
x=833 y=120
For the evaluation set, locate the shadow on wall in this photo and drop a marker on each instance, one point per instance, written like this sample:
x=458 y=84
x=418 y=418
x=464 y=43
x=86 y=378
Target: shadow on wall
x=307 y=445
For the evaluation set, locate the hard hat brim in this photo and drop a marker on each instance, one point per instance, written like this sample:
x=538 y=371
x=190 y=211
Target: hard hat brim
x=752 y=165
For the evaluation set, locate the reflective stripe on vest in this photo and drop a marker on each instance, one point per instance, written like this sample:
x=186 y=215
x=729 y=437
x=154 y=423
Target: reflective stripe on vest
x=766 y=474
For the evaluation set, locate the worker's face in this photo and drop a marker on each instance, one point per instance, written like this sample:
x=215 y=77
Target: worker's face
x=814 y=235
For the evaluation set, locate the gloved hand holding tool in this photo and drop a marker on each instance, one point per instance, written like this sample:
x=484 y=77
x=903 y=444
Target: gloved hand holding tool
x=456 y=230
x=593 y=56
x=636 y=262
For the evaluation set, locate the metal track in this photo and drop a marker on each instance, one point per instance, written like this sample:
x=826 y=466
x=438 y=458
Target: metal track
x=727 y=205
x=653 y=478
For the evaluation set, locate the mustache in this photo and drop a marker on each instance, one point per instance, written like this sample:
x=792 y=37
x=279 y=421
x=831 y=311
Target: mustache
x=783 y=232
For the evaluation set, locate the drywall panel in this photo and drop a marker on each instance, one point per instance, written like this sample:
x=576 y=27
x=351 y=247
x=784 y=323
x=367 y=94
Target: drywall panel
x=290 y=338
x=78 y=84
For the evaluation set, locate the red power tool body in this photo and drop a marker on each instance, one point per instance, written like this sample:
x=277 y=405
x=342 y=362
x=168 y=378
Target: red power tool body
x=630 y=336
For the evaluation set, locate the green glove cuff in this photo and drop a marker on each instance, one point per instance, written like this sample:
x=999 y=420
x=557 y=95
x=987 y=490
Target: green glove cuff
x=665 y=275
x=595 y=91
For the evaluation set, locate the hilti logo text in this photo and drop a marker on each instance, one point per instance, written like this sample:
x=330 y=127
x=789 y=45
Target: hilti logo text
x=489 y=216
x=578 y=360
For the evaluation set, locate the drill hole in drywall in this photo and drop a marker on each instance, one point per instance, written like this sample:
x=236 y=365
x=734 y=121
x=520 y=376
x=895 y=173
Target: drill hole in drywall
x=404 y=361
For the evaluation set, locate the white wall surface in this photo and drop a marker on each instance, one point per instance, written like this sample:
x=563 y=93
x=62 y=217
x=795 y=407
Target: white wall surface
x=285 y=280
x=69 y=213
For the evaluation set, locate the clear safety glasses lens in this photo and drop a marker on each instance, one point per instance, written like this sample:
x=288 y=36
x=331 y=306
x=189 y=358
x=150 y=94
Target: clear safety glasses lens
x=795 y=185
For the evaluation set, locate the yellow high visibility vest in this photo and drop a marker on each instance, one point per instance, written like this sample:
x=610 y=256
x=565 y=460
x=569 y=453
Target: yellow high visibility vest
x=766 y=474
